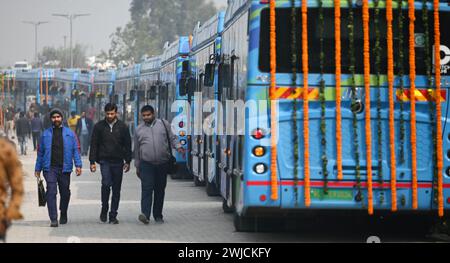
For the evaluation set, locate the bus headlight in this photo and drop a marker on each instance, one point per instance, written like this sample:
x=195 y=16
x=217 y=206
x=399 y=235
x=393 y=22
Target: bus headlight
x=260 y=168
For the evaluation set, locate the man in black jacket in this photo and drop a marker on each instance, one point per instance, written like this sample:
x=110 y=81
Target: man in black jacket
x=23 y=130
x=111 y=148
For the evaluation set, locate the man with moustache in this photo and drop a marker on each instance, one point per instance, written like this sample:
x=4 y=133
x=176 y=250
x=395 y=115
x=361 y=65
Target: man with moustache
x=152 y=153
x=57 y=152
x=111 y=148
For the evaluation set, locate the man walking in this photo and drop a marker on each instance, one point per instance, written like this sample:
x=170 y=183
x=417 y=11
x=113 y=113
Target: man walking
x=152 y=154
x=23 y=130
x=73 y=121
x=111 y=148
x=84 y=130
x=36 y=128
x=57 y=152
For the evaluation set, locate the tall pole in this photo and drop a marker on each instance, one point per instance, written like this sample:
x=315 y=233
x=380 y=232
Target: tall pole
x=71 y=17
x=65 y=51
x=71 y=41
x=35 y=44
x=36 y=25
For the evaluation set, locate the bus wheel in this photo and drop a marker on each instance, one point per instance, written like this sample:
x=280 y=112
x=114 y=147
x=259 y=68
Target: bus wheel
x=244 y=223
x=197 y=182
x=226 y=209
x=211 y=189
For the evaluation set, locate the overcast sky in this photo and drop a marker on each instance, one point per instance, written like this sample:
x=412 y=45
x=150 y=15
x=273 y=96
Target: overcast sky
x=17 y=40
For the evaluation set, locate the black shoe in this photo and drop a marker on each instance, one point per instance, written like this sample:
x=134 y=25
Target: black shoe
x=104 y=217
x=144 y=219
x=63 y=219
x=54 y=224
x=159 y=220
x=113 y=221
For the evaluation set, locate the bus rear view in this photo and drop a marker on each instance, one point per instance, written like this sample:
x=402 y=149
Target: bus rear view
x=375 y=147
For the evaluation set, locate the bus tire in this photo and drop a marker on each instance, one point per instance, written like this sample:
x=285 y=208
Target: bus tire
x=244 y=223
x=211 y=189
x=226 y=208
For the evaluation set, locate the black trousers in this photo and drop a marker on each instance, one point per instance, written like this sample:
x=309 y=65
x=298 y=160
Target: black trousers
x=153 y=183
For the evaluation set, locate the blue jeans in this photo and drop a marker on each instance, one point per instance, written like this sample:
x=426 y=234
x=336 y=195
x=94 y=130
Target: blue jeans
x=23 y=144
x=153 y=182
x=84 y=141
x=55 y=178
x=112 y=174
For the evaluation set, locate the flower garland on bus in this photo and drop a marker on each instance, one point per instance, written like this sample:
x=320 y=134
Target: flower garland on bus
x=273 y=104
x=306 y=102
x=294 y=106
x=337 y=36
x=323 y=124
x=412 y=76
x=431 y=93
x=401 y=73
x=351 y=49
x=390 y=58
x=368 y=129
x=377 y=51
x=440 y=165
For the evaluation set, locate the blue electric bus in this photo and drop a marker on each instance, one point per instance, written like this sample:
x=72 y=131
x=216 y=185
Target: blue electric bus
x=205 y=52
x=150 y=82
x=244 y=74
x=173 y=93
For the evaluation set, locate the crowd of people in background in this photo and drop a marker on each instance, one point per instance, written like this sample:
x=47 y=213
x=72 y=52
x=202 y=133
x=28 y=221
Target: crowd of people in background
x=30 y=124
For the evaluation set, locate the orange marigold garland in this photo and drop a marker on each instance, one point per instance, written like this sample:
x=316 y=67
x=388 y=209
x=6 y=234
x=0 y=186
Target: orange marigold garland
x=437 y=45
x=412 y=76
x=390 y=58
x=306 y=101
x=273 y=104
x=337 y=32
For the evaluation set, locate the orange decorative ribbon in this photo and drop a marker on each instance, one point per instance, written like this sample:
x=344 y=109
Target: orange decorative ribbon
x=41 y=87
x=390 y=58
x=440 y=165
x=337 y=33
x=306 y=102
x=412 y=76
x=46 y=87
x=367 y=102
x=273 y=102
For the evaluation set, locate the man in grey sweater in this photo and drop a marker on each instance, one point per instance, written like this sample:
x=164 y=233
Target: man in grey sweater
x=152 y=155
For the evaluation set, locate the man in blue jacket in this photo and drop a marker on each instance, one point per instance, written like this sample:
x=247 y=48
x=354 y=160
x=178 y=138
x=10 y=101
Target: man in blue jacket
x=57 y=152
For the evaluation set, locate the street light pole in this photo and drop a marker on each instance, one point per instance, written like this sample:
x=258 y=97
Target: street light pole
x=71 y=17
x=65 y=51
x=36 y=25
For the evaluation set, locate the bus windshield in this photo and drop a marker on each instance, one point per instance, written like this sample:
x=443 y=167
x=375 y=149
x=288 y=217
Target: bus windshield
x=284 y=40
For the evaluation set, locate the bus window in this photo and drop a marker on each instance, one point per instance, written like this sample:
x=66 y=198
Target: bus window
x=284 y=40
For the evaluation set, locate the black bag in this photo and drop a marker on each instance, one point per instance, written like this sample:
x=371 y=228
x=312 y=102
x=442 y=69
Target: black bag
x=41 y=193
x=172 y=166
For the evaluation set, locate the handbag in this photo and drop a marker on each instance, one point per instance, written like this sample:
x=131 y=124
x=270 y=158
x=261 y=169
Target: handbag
x=41 y=193
x=172 y=166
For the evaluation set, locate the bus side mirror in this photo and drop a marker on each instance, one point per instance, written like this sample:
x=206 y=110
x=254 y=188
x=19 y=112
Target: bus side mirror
x=191 y=86
x=209 y=75
x=225 y=76
x=183 y=86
